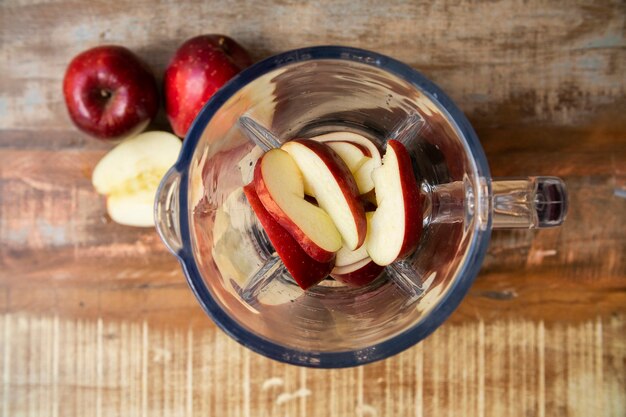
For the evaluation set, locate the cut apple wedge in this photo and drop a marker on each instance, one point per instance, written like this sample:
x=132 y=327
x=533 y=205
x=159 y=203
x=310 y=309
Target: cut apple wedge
x=352 y=154
x=305 y=270
x=358 y=274
x=346 y=256
x=368 y=147
x=280 y=187
x=134 y=209
x=396 y=225
x=130 y=173
x=333 y=187
x=363 y=174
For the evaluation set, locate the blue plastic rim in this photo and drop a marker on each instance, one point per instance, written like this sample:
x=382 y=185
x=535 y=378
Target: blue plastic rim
x=409 y=337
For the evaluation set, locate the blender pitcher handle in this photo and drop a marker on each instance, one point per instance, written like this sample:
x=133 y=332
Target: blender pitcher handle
x=528 y=203
x=166 y=211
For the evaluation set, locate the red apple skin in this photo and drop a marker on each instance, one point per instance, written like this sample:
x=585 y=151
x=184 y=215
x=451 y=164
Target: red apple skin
x=305 y=270
x=200 y=67
x=362 y=276
x=412 y=198
x=110 y=92
x=346 y=182
x=310 y=247
x=369 y=201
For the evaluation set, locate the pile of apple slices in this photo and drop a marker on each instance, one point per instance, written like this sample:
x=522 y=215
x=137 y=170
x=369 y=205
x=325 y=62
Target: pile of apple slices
x=314 y=199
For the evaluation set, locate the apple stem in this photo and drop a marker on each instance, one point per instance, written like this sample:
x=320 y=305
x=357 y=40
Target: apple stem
x=222 y=44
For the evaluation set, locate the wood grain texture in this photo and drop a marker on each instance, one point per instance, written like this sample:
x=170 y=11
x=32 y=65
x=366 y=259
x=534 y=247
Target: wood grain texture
x=514 y=367
x=504 y=62
x=96 y=318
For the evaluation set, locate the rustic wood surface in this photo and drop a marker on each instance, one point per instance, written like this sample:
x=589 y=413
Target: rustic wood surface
x=97 y=319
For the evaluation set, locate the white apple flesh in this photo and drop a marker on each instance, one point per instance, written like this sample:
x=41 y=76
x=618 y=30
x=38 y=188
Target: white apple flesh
x=346 y=257
x=130 y=173
x=346 y=269
x=333 y=187
x=133 y=209
x=363 y=174
x=396 y=225
x=279 y=184
x=353 y=155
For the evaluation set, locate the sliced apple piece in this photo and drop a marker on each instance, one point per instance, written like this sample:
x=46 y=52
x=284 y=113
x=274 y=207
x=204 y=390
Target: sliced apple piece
x=134 y=209
x=334 y=187
x=346 y=256
x=367 y=146
x=352 y=154
x=305 y=270
x=358 y=274
x=130 y=173
x=396 y=225
x=362 y=175
x=279 y=185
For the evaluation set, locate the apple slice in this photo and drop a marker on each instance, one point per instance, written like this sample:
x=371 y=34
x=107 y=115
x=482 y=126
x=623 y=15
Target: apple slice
x=362 y=175
x=346 y=256
x=333 y=187
x=352 y=154
x=305 y=270
x=130 y=173
x=358 y=274
x=397 y=222
x=368 y=147
x=279 y=185
x=135 y=209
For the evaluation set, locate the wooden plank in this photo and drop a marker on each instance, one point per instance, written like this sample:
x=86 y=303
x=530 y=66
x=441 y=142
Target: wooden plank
x=557 y=63
x=474 y=368
x=96 y=319
x=70 y=259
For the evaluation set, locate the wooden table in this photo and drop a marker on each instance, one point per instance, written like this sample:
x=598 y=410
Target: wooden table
x=97 y=319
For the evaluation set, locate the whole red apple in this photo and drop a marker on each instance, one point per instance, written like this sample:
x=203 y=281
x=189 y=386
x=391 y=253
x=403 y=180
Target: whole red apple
x=198 y=69
x=110 y=93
